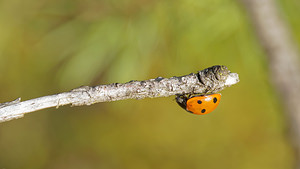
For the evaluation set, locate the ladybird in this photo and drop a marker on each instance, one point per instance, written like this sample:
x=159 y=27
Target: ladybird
x=199 y=104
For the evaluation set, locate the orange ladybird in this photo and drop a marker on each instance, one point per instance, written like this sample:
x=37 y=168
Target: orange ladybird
x=199 y=104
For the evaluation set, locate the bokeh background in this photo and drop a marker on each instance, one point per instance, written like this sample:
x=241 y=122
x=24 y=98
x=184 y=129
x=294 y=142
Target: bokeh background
x=51 y=46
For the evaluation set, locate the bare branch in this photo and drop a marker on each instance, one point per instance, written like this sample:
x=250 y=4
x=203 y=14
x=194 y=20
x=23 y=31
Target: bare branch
x=210 y=80
x=283 y=55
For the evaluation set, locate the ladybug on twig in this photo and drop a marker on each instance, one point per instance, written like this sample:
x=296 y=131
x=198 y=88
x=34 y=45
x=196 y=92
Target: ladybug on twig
x=199 y=104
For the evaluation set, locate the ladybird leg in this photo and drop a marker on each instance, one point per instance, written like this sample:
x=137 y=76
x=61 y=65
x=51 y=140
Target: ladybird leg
x=193 y=91
x=207 y=90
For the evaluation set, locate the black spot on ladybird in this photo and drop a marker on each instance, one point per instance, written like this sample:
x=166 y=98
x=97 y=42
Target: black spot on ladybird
x=199 y=101
x=203 y=111
x=215 y=100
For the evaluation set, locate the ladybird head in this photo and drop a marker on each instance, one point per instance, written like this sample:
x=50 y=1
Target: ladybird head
x=181 y=100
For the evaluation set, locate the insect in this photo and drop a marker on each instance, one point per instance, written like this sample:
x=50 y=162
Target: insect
x=199 y=104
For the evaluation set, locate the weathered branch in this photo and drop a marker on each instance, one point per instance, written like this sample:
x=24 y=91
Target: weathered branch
x=210 y=80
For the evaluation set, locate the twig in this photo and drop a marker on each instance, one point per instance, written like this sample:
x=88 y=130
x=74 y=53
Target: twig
x=283 y=55
x=210 y=80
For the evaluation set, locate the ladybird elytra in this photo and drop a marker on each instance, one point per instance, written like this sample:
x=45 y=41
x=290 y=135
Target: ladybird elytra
x=199 y=104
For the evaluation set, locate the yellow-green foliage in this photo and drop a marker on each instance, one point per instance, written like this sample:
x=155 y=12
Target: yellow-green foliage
x=50 y=46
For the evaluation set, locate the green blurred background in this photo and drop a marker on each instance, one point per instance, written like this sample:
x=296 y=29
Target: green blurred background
x=51 y=46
